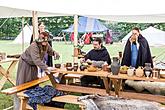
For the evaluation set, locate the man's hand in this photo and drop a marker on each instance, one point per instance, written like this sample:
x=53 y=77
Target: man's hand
x=82 y=60
x=56 y=55
x=89 y=61
x=49 y=69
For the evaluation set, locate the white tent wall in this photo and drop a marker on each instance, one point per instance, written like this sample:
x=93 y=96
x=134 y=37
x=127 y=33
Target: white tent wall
x=143 y=11
x=27 y=30
x=155 y=37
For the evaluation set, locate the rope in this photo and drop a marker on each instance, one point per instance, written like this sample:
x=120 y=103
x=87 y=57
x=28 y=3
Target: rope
x=4 y=22
x=9 y=108
x=7 y=18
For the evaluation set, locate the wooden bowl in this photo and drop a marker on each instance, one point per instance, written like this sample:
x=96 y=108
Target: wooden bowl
x=123 y=71
x=92 y=69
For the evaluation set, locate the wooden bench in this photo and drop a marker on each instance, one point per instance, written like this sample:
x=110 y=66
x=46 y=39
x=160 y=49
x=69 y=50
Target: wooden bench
x=24 y=86
x=117 y=80
x=24 y=98
x=72 y=99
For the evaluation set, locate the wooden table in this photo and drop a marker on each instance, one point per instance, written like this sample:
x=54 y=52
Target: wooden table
x=62 y=71
x=7 y=72
x=117 y=81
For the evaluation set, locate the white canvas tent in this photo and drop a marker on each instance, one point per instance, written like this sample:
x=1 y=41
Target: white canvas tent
x=155 y=37
x=114 y=10
x=27 y=32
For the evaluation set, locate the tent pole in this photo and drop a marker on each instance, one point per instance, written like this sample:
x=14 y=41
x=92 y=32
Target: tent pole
x=35 y=24
x=23 y=33
x=75 y=60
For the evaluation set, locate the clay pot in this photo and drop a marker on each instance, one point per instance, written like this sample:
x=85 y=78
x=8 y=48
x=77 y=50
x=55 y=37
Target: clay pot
x=82 y=67
x=68 y=64
x=139 y=72
x=57 y=65
x=130 y=71
x=75 y=67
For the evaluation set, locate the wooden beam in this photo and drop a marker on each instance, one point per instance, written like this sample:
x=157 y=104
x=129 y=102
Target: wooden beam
x=130 y=95
x=24 y=86
x=75 y=38
x=35 y=24
x=80 y=89
x=72 y=99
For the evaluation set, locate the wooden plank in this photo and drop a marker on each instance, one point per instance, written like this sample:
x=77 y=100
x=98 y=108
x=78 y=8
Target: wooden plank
x=125 y=76
x=41 y=107
x=24 y=86
x=23 y=103
x=2 y=82
x=149 y=97
x=72 y=99
x=73 y=76
x=129 y=95
x=80 y=89
x=97 y=73
x=11 y=67
x=21 y=94
x=8 y=60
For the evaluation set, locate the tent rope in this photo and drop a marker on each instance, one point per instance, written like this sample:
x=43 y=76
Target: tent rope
x=7 y=18
x=4 y=22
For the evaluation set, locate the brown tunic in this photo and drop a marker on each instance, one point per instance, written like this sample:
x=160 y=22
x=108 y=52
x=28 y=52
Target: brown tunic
x=28 y=62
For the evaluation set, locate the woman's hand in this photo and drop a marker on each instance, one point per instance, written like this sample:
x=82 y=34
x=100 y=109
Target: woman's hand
x=133 y=38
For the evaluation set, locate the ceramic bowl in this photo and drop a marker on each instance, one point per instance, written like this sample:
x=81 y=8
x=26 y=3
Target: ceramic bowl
x=69 y=68
x=162 y=74
x=57 y=65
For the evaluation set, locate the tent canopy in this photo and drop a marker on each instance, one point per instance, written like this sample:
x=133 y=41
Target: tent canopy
x=86 y=24
x=155 y=37
x=114 y=10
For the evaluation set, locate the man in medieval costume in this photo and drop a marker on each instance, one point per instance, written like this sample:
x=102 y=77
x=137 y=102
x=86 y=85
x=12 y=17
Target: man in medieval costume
x=97 y=56
x=31 y=59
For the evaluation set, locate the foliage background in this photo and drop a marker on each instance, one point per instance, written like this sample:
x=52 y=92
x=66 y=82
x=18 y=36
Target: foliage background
x=10 y=27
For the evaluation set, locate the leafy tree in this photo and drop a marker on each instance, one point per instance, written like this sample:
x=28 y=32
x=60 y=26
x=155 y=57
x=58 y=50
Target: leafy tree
x=55 y=25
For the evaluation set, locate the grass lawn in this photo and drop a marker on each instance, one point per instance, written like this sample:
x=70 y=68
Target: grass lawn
x=66 y=52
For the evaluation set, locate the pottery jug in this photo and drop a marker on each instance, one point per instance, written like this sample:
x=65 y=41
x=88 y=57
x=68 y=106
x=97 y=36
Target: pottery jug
x=115 y=66
x=130 y=71
x=139 y=72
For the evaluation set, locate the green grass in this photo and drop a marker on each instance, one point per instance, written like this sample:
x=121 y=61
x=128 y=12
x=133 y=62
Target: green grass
x=66 y=52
